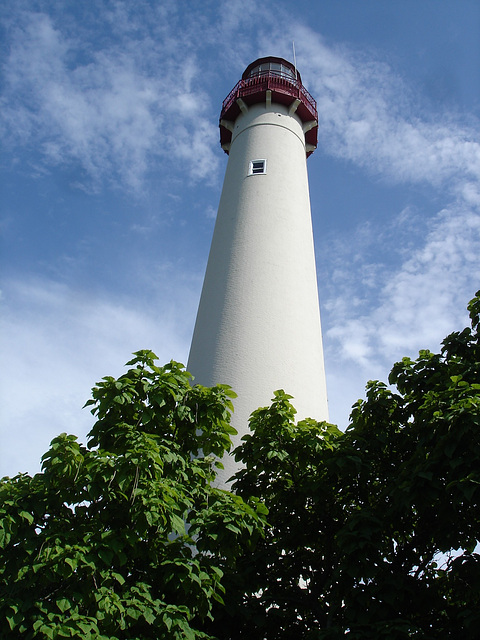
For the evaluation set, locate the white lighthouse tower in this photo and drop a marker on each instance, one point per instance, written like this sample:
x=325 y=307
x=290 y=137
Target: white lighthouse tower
x=258 y=323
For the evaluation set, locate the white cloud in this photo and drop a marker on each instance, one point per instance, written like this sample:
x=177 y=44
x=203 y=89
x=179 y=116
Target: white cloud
x=420 y=302
x=367 y=115
x=403 y=286
x=57 y=342
x=113 y=113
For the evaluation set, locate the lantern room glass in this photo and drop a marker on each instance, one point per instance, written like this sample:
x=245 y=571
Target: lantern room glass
x=275 y=68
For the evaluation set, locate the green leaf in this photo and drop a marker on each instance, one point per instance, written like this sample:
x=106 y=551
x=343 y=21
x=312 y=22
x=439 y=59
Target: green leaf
x=148 y=616
x=72 y=562
x=26 y=516
x=63 y=604
x=118 y=577
x=178 y=524
x=46 y=631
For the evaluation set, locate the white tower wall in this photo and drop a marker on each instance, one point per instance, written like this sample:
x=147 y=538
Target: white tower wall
x=258 y=323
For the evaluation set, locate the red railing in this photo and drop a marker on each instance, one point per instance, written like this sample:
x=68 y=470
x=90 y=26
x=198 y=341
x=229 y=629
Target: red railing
x=275 y=81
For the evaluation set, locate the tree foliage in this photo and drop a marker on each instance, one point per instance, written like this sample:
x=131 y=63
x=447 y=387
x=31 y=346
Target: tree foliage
x=372 y=532
x=125 y=538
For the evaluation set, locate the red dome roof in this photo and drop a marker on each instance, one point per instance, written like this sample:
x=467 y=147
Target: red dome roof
x=281 y=78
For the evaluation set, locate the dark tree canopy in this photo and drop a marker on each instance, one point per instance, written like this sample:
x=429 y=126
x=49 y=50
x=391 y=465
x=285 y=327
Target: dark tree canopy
x=370 y=534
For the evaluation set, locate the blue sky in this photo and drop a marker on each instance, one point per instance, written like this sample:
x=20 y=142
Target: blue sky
x=112 y=173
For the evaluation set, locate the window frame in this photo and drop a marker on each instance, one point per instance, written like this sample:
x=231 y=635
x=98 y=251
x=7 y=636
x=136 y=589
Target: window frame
x=254 y=171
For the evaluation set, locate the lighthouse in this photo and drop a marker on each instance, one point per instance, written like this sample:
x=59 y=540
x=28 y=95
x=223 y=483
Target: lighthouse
x=258 y=322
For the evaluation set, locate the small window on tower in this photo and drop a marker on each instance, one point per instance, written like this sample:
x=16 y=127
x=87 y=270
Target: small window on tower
x=257 y=166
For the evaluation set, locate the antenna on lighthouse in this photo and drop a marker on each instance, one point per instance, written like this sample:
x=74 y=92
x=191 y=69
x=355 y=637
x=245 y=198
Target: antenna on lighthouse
x=294 y=58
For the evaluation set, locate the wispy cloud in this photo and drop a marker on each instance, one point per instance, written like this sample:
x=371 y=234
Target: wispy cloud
x=111 y=110
x=367 y=116
x=413 y=307
x=58 y=342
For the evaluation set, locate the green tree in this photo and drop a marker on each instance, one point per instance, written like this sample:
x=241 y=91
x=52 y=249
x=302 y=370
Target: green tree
x=126 y=538
x=372 y=532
